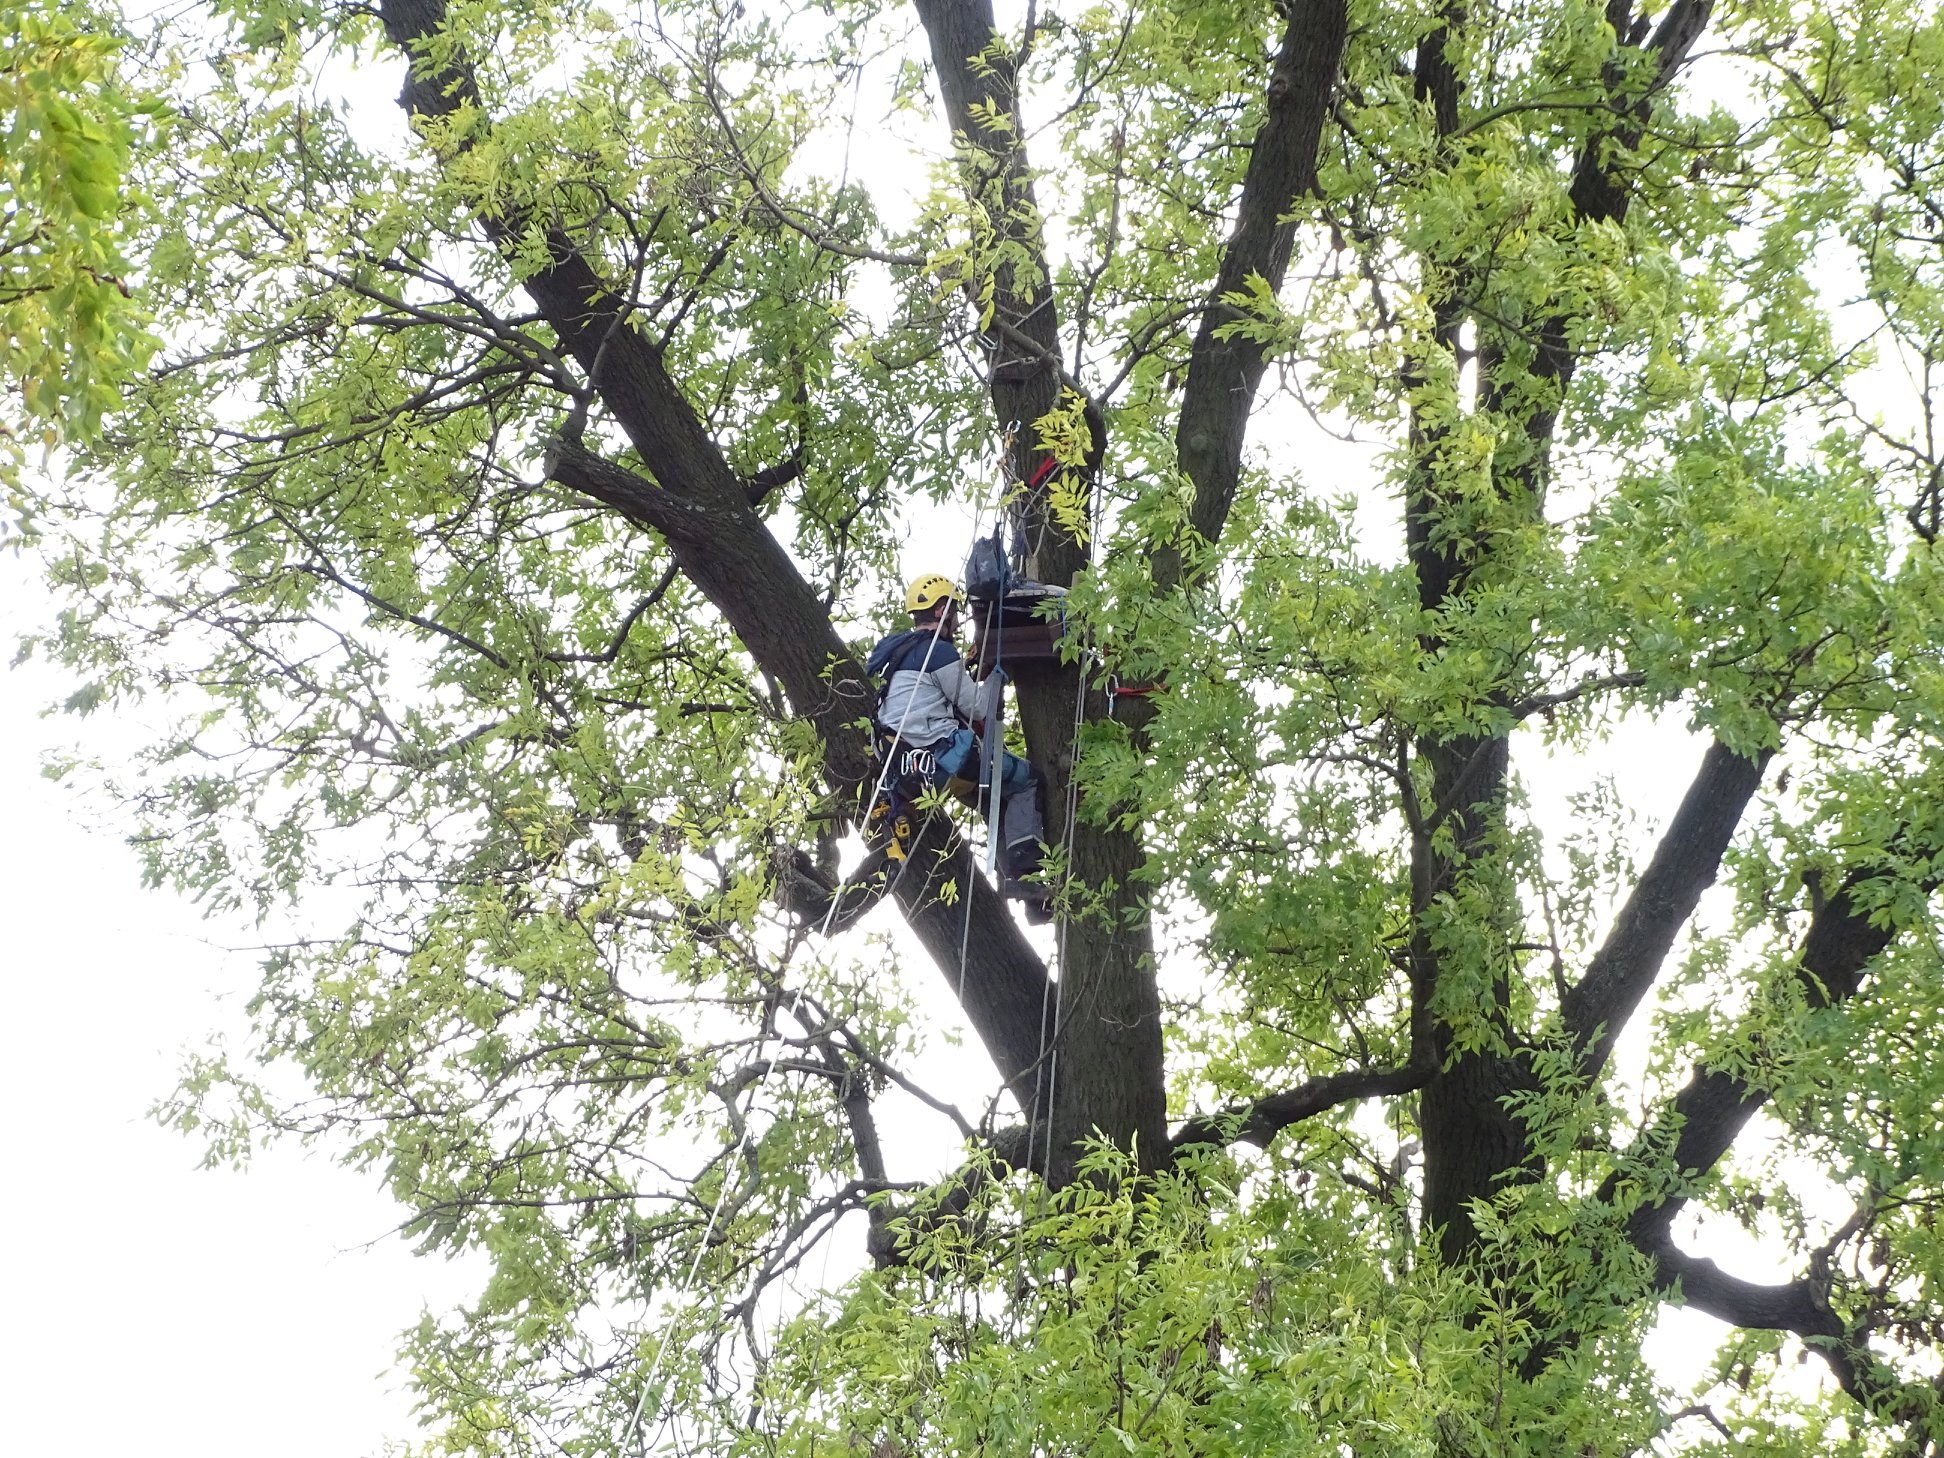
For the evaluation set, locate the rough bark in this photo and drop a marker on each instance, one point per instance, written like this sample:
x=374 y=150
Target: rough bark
x=1259 y=1122
x=1109 y=1074
x=1471 y=1140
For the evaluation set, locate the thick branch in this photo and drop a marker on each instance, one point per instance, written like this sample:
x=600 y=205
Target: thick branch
x=978 y=84
x=1223 y=373
x=1800 y=1306
x=1716 y=1105
x=1684 y=865
x=1598 y=194
x=628 y=492
x=997 y=976
x=1693 y=1132
x=953 y=1197
x=1795 y=1306
x=760 y=485
x=1473 y=1141
x=984 y=956
x=1261 y=1121
x=723 y=547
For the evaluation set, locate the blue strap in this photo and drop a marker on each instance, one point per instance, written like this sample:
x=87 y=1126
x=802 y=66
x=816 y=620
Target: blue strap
x=916 y=650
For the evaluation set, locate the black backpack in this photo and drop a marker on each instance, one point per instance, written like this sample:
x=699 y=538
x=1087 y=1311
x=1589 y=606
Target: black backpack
x=987 y=572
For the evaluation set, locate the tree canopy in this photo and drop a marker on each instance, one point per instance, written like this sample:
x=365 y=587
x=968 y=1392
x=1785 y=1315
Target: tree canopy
x=68 y=333
x=1454 y=413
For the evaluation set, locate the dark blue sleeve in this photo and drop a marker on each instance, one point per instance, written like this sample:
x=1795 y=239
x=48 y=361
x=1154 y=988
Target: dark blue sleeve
x=934 y=654
x=915 y=650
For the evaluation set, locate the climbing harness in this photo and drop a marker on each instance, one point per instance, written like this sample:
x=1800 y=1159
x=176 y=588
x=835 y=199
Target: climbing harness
x=891 y=819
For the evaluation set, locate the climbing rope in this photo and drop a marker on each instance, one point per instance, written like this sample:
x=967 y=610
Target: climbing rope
x=1051 y=1030
x=830 y=911
x=992 y=831
x=796 y=1002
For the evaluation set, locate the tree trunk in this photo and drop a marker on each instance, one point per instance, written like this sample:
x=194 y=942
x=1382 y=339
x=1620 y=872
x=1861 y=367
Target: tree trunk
x=1104 y=1070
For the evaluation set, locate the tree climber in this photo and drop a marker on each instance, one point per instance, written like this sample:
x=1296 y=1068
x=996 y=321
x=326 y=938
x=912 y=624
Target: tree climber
x=930 y=716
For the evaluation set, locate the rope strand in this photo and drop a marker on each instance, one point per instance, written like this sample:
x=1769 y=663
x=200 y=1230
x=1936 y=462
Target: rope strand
x=715 y=1214
x=1049 y=1057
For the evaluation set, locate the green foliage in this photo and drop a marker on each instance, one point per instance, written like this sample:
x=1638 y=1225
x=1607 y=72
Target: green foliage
x=69 y=335
x=529 y=792
x=1218 y=1310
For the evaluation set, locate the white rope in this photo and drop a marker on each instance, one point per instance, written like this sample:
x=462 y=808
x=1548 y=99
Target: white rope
x=823 y=932
x=992 y=754
x=965 y=931
x=830 y=914
x=1053 y=990
x=965 y=936
x=992 y=824
x=1060 y=941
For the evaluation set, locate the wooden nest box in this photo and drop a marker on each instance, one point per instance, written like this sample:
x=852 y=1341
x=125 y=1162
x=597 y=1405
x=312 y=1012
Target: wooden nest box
x=1023 y=625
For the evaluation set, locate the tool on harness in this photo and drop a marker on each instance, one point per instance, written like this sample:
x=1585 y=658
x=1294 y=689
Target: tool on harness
x=889 y=825
x=893 y=819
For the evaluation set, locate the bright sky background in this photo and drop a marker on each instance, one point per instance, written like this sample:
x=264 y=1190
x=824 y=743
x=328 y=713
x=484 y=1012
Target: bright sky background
x=154 y=1307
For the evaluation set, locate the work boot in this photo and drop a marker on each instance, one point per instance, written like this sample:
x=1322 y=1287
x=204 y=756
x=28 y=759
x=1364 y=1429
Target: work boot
x=1022 y=858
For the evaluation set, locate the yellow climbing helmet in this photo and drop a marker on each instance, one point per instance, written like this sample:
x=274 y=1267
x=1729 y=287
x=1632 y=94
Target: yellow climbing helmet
x=929 y=591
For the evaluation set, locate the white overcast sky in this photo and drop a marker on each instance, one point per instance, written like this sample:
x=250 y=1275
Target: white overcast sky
x=155 y=1307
